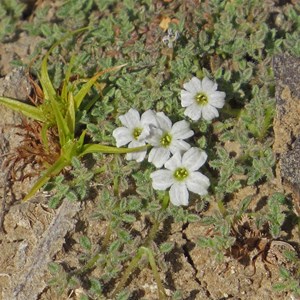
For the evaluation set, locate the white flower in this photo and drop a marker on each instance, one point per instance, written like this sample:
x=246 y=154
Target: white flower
x=135 y=131
x=180 y=174
x=201 y=99
x=167 y=139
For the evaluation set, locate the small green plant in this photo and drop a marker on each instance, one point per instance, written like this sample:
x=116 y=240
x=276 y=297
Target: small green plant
x=237 y=233
x=223 y=237
x=231 y=42
x=59 y=110
x=289 y=278
x=10 y=13
x=61 y=280
x=75 y=187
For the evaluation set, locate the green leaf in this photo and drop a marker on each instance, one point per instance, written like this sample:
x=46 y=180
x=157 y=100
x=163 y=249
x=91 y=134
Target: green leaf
x=279 y=287
x=26 y=109
x=114 y=246
x=64 y=91
x=54 y=267
x=166 y=247
x=192 y=218
x=128 y=218
x=46 y=83
x=247 y=74
x=244 y=204
x=85 y=242
x=63 y=131
x=75 y=162
x=80 y=142
x=96 y=286
x=71 y=196
x=51 y=171
x=284 y=273
x=54 y=201
x=70 y=116
x=96 y=148
x=87 y=86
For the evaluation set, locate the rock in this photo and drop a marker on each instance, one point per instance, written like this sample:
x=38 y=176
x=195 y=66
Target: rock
x=15 y=85
x=286 y=123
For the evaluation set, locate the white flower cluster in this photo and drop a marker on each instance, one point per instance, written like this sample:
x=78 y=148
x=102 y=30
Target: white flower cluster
x=180 y=160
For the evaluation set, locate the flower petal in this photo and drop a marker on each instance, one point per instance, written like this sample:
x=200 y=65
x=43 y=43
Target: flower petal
x=179 y=194
x=197 y=183
x=194 y=158
x=122 y=135
x=179 y=146
x=137 y=156
x=209 y=112
x=194 y=85
x=174 y=162
x=145 y=133
x=217 y=99
x=162 y=179
x=181 y=130
x=208 y=85
x=149 y=118
x=158 y=156
x=187 y=98
x=154 y=137
x=131 y=119
x=163 y=121
x=193 y=111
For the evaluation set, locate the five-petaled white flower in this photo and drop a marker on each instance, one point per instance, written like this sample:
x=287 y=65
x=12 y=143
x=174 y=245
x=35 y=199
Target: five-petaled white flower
x=180 y=174
x=135 y=131
x=167 y=139
x=201 y=99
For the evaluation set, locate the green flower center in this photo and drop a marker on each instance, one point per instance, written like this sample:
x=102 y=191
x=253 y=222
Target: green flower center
x=201 y=99
x=136 y=133
x=181 y=174
x=166 y=140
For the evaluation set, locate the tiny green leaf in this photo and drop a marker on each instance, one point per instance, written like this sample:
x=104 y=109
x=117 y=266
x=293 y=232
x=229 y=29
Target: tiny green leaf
x=85 y=242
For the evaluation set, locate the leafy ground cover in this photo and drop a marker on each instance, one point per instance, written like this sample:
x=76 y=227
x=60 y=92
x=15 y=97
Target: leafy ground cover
x=106 y=227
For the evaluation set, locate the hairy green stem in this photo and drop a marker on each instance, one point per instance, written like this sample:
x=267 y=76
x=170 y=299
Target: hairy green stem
x=134 y=264
x=222 y=208
x=161 y=290
x=166 y=200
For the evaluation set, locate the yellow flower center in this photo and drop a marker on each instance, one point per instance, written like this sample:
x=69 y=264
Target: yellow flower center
x=136 y=133
x=181 y=174
x=201 y=98
x=166 y=140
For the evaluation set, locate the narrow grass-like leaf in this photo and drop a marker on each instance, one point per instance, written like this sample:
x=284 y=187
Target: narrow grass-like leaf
x=26 y=109
x=96 y=148
x=87 y=86
x=46 y=83
x=80 y=141
x=64 y=91
x=55 y=169
x=70 y=115
x=44 y=130
x=62 y=127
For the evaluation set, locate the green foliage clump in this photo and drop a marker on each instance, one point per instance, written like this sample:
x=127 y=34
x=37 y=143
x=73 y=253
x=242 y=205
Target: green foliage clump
x=230 y=41
x=289 y=278
x=10 y=13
